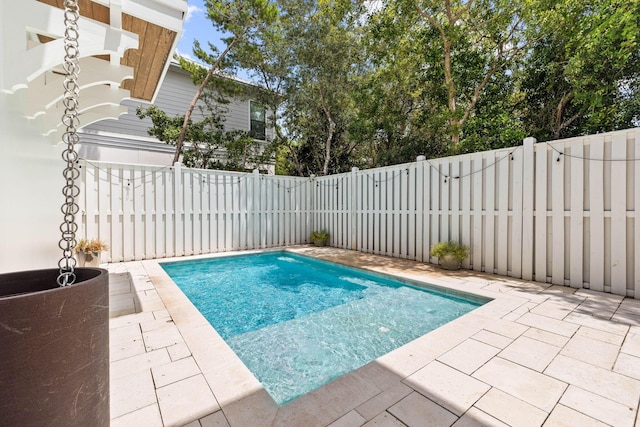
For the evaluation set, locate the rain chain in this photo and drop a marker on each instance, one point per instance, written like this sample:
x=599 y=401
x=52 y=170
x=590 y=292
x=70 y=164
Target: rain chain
x=70 y=120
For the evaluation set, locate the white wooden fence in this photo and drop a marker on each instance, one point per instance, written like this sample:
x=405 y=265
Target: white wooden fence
x=145 y=212
x=565 y=212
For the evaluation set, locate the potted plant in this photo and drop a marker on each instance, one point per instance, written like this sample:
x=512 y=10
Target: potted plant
x=319 y=237
x=88 y=252
x=450 y=254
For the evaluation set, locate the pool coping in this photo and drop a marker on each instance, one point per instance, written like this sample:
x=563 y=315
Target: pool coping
x=426 y=377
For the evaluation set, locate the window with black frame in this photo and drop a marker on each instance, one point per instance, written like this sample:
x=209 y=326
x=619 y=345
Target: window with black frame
x=257 y=115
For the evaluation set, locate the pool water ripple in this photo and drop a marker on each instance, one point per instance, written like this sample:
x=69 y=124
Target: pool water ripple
x=298 y=323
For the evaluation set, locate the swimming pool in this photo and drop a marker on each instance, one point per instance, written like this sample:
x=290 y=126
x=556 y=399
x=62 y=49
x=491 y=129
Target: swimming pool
x=298 y=323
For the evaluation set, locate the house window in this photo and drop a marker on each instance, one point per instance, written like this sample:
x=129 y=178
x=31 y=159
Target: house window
x=257 y=121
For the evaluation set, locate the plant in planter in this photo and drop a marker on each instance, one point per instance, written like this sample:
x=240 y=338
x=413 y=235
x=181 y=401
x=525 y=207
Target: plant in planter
x=319 y=238
x=88 y=252
x=450 y=254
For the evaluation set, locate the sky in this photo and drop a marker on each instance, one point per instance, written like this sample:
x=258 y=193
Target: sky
x=197 y=27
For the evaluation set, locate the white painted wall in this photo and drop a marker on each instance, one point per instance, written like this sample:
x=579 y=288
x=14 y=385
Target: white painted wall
x=30 y=194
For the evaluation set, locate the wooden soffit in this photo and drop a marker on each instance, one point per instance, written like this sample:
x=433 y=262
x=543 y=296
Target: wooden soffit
x=148 y=60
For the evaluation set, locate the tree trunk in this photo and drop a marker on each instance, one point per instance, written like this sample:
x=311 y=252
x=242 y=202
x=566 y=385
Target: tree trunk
x=192 y=106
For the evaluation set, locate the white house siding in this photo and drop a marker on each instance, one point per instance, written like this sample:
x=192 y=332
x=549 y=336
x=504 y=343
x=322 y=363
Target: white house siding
x=30 y=194
x=175 y=95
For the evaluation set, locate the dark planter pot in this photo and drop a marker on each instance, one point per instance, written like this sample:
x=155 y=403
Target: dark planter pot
x=54 y=357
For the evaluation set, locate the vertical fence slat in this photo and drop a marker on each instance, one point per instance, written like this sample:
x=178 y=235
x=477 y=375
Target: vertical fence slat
x=419 y=204
x=576 y=230
x=557 y=219
x=503 y=181
x=411 y=212
x=454 y=197
x=619 y=215
x=169 y=213
x=596 y=200
x=138 y=213
x=490 y=213
x=465 y=214
x=540 y=209
x=445 y=196
x=426 y=212
x=398 y=249
x=436 y=215
x=159 y=185
x=478 y=214
x=517 y=162
x=528 y=186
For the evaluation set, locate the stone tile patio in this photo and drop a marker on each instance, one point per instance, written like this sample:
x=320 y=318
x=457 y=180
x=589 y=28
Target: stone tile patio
x=535 y=355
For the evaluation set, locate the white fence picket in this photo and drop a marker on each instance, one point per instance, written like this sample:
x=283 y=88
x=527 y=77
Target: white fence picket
x=596 y=210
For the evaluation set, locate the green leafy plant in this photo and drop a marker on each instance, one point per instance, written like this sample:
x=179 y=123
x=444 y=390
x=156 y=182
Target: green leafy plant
x=452 y=248
x=90 y=246
x=319 y=237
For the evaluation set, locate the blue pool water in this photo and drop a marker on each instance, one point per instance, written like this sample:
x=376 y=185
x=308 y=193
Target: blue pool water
x=298 y=323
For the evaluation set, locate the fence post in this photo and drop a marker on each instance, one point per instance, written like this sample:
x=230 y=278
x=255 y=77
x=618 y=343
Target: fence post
x=178 y=209
x=528 y=179
x=353 y=232
x=420 y=207
x=253 y=217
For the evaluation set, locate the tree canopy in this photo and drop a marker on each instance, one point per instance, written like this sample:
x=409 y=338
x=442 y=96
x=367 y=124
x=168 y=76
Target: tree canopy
x=369 y=84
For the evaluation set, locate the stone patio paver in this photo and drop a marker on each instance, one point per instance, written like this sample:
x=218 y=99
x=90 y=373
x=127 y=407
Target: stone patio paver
x=480 y=369
x=374 y=406
x=603 y=382
x=597 y=407
x=592 y=351
x=149 y=416
x=448 y=387
x=491 y=338
x=599 y=335
x=546 y=337
x=523 y=383
x=352 y=419
x=385 y=419
x=567 y=417
x=416 y=410
x=631 y=345
x=469 y=355
x=628 y=365
x=530 y=353
x=169 y=373
x=131 y=393
x=183 y=400
x=476 y=418
x=216 y=419
x=513 y=412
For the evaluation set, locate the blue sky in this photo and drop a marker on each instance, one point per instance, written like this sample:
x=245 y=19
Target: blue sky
x=197 y=27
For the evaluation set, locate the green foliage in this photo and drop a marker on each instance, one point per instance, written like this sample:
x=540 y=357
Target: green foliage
x=452 y=248
x=208 y=146
x=350 y=87
x=583 y=72
x=319 y=235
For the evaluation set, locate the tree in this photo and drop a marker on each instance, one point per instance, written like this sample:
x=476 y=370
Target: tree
x=206 y=144
x=308 y=58
x=476 y=39
x=583 y=72
x=241 y=19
